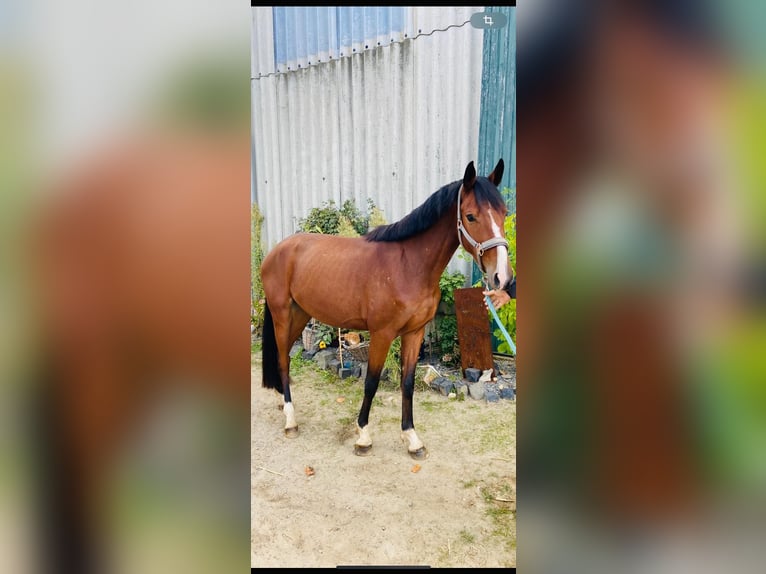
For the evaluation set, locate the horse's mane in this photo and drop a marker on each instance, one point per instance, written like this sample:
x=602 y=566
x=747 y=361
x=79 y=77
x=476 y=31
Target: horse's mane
x=432 y=209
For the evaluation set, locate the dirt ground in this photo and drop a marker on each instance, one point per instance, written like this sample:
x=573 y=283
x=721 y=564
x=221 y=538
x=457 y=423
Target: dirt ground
x=457 y=510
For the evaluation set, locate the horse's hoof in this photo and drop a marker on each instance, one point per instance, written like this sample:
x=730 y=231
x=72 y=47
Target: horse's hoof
x=291 y=432
x=362 y=450
x=420 y=454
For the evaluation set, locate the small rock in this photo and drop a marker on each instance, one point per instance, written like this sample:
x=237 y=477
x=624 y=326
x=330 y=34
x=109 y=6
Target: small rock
x=461 y=388
x=308 y=355
x=476 y=390
x=507 y=393
x=333 y=365
x=323 y=357
x=358 y=371
x=296 y=349
x=443 y=385
x=491 y=395
x=472 y=375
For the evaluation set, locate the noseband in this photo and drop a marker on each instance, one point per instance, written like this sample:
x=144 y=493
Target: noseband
x=479 y=247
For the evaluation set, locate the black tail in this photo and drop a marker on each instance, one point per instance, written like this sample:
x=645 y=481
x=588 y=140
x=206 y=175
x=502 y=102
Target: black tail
x=271 y=378
x=68 y=542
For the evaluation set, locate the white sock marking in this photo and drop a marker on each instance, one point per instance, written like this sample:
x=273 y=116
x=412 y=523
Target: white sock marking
x=289 y=411
x=411 y=436
x=364 y=436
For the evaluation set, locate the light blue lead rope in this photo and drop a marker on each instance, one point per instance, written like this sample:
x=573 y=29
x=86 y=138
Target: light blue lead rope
x=500 y=324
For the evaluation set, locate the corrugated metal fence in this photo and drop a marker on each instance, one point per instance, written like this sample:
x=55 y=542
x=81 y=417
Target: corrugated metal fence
x=377 y=103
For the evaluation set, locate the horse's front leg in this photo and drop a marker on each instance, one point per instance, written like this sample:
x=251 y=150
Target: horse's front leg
x=411 y=343
x=379 y=345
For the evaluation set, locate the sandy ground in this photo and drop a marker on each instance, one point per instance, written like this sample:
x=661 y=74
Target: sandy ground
x=457 y=510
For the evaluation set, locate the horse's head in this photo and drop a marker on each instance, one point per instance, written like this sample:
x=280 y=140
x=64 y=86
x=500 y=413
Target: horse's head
x=481 y=215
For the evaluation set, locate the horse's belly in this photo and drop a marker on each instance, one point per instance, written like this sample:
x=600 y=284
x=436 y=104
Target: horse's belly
x=334 y=312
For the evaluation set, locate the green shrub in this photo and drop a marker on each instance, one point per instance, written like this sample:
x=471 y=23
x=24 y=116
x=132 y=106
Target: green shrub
x=256 y=259
x=346 y=228
x=445 y=322
x=359 y=221
x=507 y=315
x=376 y=217
x=325 y=333
x=333 y=220
x=393 y=362
x=448 y=282
x=324 y=219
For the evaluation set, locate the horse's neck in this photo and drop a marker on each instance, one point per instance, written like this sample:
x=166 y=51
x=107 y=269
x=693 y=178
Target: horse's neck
x=439 y=243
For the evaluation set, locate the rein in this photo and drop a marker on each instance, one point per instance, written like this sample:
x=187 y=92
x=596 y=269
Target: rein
x=479 y=247
x=503 y=330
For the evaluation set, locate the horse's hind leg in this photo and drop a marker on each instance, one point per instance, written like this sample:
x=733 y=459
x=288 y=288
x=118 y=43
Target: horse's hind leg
x=288 y=328
x=410 y=348
x=379 y=345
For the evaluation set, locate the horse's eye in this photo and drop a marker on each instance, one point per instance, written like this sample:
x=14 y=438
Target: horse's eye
x=470 y=217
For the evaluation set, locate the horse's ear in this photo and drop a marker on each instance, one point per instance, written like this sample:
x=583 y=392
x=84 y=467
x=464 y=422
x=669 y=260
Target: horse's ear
x=470 y=177
x=497 y=174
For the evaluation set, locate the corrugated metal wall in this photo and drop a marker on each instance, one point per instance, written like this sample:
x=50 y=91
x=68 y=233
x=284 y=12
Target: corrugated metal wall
x=391 y=123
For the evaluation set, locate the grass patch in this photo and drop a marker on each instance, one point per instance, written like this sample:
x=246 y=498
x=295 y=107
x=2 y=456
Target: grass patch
x=497 y=432
x=344 y=421
x=501 y=509
x=299 y=365
x=310 y=373
x=390 y=420
x=431 y=406
x=453 y=552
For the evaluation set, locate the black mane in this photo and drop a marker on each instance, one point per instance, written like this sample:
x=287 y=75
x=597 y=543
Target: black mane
x=432 y=209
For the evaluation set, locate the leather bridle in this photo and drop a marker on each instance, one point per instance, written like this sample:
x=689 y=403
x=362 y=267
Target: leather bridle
x=482 y=247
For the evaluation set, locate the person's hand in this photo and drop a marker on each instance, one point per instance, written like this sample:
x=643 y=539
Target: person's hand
x=499 y=297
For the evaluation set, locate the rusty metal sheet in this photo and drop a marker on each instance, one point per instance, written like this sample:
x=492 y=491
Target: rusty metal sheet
x=473 y=329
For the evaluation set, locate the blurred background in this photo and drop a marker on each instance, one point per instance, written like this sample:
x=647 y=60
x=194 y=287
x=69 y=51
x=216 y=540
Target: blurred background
x=641 y=325
x=124 y=286
x=125 y=206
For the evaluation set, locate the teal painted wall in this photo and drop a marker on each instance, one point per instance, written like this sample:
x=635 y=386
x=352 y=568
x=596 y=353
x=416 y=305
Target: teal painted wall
x=497 y=128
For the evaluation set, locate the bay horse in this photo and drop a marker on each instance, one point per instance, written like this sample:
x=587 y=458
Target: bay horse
x=385 y=282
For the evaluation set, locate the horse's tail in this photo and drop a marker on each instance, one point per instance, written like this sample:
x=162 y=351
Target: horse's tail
x=271 y=377
x=62 y=525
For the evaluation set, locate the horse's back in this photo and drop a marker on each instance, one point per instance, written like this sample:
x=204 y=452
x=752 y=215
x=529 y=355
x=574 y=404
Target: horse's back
x=315 y=253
